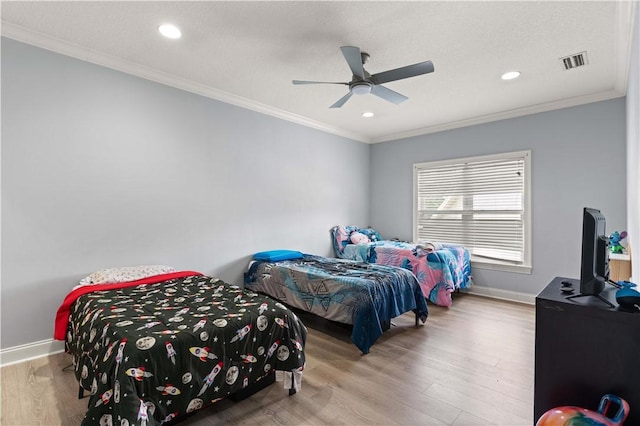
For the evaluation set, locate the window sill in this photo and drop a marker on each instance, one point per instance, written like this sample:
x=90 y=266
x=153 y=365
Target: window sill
x=482 y=263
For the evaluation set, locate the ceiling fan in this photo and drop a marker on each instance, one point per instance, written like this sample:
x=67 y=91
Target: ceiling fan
x=362 y=82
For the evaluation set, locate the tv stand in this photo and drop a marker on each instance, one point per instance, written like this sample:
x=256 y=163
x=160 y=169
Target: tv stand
x=594 y=295
x=584 y=350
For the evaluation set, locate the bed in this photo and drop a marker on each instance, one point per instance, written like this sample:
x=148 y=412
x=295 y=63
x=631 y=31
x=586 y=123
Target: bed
x=440 y=268
x=367 y=296
x=156 y=348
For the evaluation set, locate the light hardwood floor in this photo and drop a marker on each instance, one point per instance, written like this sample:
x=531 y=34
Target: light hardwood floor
x=471 y=364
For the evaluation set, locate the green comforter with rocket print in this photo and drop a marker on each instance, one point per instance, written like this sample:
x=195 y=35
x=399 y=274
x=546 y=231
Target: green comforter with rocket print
x=154 y=352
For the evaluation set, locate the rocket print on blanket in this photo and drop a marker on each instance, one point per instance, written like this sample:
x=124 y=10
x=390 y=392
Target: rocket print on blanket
x=138 y=373
x=241 y=333
x=199 y=325
x=273 y=348
x=209 y=377
x=171 y=353
x=202 y=353
x=105 y=397
x=119 y=356
x=168 y=390
x=248 y=358
x=143 y=415
x=175 y=347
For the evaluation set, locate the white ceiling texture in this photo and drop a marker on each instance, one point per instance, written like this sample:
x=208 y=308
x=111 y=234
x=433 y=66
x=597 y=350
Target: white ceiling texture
x=247 y=53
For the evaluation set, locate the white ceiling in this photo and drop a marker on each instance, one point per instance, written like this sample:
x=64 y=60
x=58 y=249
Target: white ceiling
x=247 y=53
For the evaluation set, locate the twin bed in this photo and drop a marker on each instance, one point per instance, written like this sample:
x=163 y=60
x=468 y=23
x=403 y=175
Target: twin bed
x=366 y=296
x=156 y=348
x=440 y=269
x=370 y=281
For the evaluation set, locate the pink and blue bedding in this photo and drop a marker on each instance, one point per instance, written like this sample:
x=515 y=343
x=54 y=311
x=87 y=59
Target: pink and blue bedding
x=362 y=294
x=158 y=348
x=439 y=272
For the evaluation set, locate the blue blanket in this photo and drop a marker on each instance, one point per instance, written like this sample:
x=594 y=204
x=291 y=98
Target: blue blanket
x=362 y=294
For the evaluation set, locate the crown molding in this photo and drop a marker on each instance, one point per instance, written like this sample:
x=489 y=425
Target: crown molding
x=503 y=115
x=63 y=47
x=625 y=18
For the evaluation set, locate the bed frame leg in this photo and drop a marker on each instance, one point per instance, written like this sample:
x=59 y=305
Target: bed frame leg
x=292 y=389
x=417 y=319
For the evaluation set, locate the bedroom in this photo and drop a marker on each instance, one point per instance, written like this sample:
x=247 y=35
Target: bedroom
x=102 y=168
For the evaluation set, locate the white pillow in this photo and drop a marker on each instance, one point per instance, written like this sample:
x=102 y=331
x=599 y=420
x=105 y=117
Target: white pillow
x=124 y=274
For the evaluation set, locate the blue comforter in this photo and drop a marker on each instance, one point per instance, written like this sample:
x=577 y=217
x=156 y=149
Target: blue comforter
x=363 y=294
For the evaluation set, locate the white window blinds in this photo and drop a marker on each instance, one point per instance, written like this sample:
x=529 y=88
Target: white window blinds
x=480 y=202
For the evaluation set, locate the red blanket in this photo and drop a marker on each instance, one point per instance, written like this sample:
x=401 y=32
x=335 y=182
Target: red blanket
x=62 y=316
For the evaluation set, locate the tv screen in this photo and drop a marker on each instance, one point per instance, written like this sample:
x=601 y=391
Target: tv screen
x=594 y=272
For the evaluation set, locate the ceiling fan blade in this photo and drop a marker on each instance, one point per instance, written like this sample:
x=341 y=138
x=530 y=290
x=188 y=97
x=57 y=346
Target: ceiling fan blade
x=388 y=94
x=317 y=82
x=354 y=59
x=403 y=72
x=341 y=101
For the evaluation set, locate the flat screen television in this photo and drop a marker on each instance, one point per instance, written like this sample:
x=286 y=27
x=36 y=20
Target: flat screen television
x=594 y=265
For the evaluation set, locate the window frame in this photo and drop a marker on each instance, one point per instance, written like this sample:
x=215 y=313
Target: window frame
x=525 y=267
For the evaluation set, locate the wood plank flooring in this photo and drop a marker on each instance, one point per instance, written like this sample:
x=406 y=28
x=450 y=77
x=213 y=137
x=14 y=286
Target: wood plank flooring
x=471 y=364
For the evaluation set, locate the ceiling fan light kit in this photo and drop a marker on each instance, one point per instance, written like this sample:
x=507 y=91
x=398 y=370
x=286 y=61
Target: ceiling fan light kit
x=360 y=88
x=363 y=83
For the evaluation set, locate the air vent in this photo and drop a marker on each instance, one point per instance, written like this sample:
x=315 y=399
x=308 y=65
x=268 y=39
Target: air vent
x=574 y=61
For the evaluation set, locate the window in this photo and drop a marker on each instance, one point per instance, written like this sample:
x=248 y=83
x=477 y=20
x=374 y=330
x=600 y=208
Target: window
x=482 y=203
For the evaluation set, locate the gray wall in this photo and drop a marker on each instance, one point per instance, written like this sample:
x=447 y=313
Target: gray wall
x=577 y=159
x=103 y=169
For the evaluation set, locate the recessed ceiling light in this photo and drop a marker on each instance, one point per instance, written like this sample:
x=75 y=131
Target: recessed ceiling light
x=169 y=31
x=367 y=114
x=510 y=75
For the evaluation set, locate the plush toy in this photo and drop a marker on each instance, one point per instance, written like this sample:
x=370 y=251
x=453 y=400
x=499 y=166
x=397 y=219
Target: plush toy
x=359 y=238
x=371 y=233
x=614 y=241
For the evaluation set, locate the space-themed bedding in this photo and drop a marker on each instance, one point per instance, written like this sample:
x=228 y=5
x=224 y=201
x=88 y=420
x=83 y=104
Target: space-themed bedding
x=440 y=268
x=158 y=348
x=364 y=295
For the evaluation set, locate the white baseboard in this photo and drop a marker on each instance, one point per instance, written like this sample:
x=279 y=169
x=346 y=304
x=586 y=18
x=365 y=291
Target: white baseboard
x=30 y=351
x=496 y=293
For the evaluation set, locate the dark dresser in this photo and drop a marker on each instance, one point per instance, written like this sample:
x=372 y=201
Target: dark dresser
x=584 y=350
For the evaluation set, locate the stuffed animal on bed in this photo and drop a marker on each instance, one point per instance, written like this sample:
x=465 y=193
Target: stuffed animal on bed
x=371 y=233
x=614 y=241
x=359 y=238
